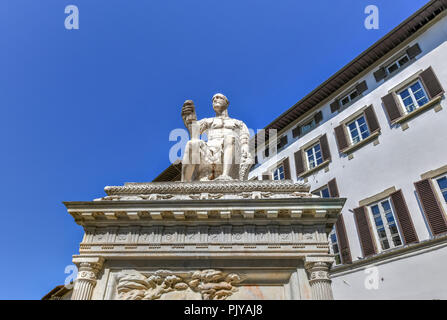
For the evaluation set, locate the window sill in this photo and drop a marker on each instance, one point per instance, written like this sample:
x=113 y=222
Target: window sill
x=315 y=169
x=419 y=110
x=367 y=140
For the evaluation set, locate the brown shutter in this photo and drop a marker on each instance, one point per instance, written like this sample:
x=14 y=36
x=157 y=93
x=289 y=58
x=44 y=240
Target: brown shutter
x=361 y=87
x=391 y=107
x=432 y=208
x=333 y=189
x=380 y=74
x=296 y=131
x=325 y=148
x=299 y=163
x=318 y=117
x=364 y=232
x=335 y=106
x=403 y=217
x=266 y=176
x=414 y=51
x=286 y=164
x=343 y=243
x=431 y=83
x=340 y=136
x=371 y=119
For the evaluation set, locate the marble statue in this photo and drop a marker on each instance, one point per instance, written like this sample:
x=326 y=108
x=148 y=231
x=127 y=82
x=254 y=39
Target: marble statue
x=226 y=155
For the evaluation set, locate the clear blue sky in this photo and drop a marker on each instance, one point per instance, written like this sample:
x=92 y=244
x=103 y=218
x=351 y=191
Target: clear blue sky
x=82 y=109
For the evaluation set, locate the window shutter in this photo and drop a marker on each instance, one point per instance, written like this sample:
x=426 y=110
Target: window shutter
x=345 y=252
x=325 y=148
x=361 y=87
x=403 y=217
x=299 y=163
x=318 y=117
x=371 y=119
x=413 y=51
x=431 y=83
x=340 y=136
x=296 y=131
x=364 y=232
x=335 y=106
x=286 y=164
x=380 y=74
x=432 y=208
x=333 y=189
x=266 y=176
x=391 y=107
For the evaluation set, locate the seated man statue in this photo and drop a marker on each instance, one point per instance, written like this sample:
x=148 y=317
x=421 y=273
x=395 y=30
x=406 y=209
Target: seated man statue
x=225 y=156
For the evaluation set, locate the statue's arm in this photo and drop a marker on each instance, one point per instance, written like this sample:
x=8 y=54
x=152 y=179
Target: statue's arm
x=190 y=118
x=244 y=139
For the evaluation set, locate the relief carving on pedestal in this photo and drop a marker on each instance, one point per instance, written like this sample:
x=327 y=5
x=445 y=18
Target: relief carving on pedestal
x=209 y=284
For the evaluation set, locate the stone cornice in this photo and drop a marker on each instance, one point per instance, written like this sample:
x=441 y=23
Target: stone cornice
x=211 y=187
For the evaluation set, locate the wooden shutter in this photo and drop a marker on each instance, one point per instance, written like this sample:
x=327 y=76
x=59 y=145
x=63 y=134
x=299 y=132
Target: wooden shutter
x=343 y=243
x=299 y=163
x=380 y=74
x=361 y=87
x=413 y=51
x=318 y=117
x=335 y=106
x=371 y=119
x=296 y=131
x=434 y=214
x=431 y=83
x=286 y=164
x=364 y=232
x=333 y=189
x=325 y=148
x=266 y=176
x=341 y=138
x=404 y=218
x=391 y=107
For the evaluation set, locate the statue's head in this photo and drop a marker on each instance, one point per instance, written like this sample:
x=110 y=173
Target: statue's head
x=220 y=103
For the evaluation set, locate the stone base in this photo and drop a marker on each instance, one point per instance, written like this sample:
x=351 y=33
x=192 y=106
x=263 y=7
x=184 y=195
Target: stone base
x=207 y=240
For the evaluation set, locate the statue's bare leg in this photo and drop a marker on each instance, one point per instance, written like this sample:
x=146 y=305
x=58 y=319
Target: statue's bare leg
x=228 y=157
x=188 y=165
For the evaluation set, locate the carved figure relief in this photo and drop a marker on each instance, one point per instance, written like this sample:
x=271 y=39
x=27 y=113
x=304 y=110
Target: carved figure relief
x=210 y=284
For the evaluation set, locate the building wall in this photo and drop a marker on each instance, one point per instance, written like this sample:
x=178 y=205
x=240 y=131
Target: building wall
x=398 y=160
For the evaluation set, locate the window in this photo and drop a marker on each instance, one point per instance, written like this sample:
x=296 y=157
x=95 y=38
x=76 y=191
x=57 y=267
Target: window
x=308 y=126
x=278 y=173
x=314 y=156
x=413 y=97
x=442 y=183
x=333 y=246
x=399 y=63
x=358 y=129
x=349 y=97
x=385 y=225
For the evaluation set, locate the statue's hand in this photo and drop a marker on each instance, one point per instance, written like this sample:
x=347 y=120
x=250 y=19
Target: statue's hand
x=188 y=111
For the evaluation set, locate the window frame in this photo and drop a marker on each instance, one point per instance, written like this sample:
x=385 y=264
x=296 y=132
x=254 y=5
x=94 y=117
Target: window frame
x=389 y=235
x=312 y=147
x=332 y=244
x=416 y=105
x=397 y=61
x=278 y=170
x=438 y=190
x=348 y=95
x=355 y=121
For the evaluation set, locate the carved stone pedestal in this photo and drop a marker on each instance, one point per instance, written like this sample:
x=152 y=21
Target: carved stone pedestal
x=205 y=240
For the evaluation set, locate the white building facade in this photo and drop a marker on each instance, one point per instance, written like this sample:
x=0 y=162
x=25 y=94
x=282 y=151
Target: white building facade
x=374 y=133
